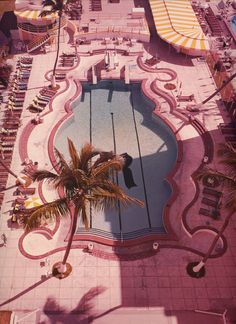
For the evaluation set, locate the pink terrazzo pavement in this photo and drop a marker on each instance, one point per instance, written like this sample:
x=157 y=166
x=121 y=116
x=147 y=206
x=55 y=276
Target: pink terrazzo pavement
x=103 y=288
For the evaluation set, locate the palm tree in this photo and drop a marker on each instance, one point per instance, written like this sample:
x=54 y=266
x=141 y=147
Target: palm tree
x=85 y=179
x=228 y=158
x=54 y=6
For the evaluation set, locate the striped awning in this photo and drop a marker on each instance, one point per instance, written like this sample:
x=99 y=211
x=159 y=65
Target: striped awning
x=177 y=24
x=34 y=15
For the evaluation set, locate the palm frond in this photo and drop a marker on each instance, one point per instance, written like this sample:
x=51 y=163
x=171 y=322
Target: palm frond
x=43 y=174
x=47 y=212
x=61 y=162
x=105 y=167
x=108 y=198
x=84 y=215
x=73 y=154
x=87 y=152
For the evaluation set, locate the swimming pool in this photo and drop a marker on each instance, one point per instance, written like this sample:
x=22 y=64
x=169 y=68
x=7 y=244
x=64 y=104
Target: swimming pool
x=115 y=116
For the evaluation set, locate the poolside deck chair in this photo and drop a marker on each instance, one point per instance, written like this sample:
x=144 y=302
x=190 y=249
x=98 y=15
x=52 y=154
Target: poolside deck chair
x=215 y=214
x=6 y=149
x=34 y=108
x=40 y=103
x=19 y=200
x=9 y=139
x=42 y=98
x=209 y=202
x=7 y=144
x=152 y=61
x=185 y=98
x=10 y=127
x=25 y=191
x=212 y=192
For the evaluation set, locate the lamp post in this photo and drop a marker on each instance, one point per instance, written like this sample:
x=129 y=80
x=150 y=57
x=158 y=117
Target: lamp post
x=197 y=269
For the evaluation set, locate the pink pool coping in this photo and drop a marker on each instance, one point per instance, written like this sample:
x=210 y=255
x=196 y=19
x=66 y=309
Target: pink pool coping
x=169 y=178
x=90 y=237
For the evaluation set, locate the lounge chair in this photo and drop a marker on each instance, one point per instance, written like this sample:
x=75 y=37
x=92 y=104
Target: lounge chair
x=152 y=61
x=17 y=99
x=7 y=144
x=212 y=192
x=185 y=98
x=7 y=132
x=36 y=108
x=6 y=149
x=210 y=202
x=20 y=200
x=43 y=98
x=40 y=103
x=8 y=138
x=25 y=191
x=215 y=214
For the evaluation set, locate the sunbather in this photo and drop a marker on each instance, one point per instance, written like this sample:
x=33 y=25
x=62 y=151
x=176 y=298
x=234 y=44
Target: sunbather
x=35 y=107
x=37 y=120
x=39 y=102
x=6 y=144
x=43 y=98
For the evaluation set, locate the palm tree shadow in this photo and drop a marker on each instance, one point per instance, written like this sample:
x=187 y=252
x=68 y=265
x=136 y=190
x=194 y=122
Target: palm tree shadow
x=83 y=313
x=25 y=291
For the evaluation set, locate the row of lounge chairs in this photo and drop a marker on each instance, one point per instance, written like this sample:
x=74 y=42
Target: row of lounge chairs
x=41 y=100
x=212 y=198
x=67 y=60
x=10 y=121
x=18 y=84
x=19 y=212
x=213 y=23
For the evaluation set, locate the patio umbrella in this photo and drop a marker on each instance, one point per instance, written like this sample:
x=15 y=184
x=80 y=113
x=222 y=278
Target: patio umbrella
x=32 y=202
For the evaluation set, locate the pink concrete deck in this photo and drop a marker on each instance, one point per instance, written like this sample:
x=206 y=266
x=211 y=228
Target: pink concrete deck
x=152 y=285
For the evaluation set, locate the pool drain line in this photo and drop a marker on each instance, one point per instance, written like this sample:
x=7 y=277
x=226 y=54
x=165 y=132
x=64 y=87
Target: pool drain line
x=140 y=159
x=117 y=180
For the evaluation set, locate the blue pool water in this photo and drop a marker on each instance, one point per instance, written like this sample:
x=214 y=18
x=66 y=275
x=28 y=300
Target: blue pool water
x=233 y=24
x=112 y=113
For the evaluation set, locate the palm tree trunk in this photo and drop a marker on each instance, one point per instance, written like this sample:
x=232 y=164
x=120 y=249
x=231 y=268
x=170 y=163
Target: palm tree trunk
x=72 y=232
x=198 y=267
x=57 y=55
x=220 y=88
